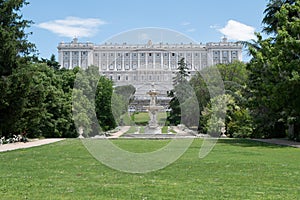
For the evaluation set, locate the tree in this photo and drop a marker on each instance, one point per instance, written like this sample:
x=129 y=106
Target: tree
x=121 y=99
x=51 y=62
x=270 y=21
x=27 y=90
x=13 y=38
x=274 y=74
x=103 y=102
x=92 y=96
x=179 y=94
x=234 y=76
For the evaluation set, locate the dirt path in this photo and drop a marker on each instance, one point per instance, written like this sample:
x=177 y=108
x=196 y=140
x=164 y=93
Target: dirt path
x=21 y=145
x=283 y=142
x=123 y=130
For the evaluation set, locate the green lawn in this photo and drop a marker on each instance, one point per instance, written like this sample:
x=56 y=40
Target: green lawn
x=235 y=169
x=143 y=118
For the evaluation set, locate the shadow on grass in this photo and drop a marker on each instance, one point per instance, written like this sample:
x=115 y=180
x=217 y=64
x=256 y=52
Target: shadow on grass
x=249 y=143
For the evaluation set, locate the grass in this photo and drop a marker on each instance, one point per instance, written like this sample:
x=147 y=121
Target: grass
x=164 y=129
x=132 y=129
x=142 y=118
x=142 y=129
x=235 y=169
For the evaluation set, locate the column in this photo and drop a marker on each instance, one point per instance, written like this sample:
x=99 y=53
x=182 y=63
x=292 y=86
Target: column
x=130 y=61
x=146 y=60
x=60 y=58
x=154 y=55
x=200 y=61
x=169 y=61
x=70 y=61
x=107 y=60
x=139 y=62
x=115 y=59
x=123 y=61
x=161 y=60
x=79 y=59
x=192 y=60
x=100 y=60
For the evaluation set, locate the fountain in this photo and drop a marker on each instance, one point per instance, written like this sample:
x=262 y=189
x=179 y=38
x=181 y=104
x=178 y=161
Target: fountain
x=153 y=109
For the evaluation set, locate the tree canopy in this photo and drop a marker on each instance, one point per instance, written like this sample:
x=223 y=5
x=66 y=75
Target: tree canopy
x=274 y=71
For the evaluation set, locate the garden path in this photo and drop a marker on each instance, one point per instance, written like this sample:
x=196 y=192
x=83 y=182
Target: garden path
x=22 y=145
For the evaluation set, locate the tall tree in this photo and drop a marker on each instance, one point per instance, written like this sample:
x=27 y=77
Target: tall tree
x=234 y=76
x=179 y=94
x=14 y=46
x=274 y=77
x=270 y=21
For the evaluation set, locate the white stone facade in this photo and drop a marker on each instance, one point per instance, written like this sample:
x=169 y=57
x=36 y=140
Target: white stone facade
x=143 y=64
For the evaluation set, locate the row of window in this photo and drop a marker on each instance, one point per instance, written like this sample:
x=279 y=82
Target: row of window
x=143 y=54
x=139 y=78
x=75 y=53
x=135 y=67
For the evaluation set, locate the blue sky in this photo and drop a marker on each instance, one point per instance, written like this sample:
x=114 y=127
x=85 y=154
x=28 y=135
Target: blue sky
x=98 y=20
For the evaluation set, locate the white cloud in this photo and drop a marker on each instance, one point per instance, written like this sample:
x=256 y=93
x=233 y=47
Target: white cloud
x=73 y=26
x=238 y=31
x=191 y=30
x=185 y=23
x=216 y=26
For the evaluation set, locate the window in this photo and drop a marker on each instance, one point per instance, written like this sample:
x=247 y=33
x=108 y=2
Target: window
x=111 y=54
x=103 y=54
x=126 y=54
x=134 y=55
x=126 y=78
x=173 y=54
x=142 y=54
x=119 y=67
x=134 y=66
x=150 y=54
x=119 y=77
x=157 y=54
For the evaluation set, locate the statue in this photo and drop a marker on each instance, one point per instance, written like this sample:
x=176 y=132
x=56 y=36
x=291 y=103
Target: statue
x=153 y=109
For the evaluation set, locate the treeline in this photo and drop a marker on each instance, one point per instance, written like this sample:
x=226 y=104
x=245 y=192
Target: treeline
x=39 y=100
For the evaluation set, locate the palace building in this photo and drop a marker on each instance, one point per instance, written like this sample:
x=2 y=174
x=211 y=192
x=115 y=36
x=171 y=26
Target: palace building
x=143 y=64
